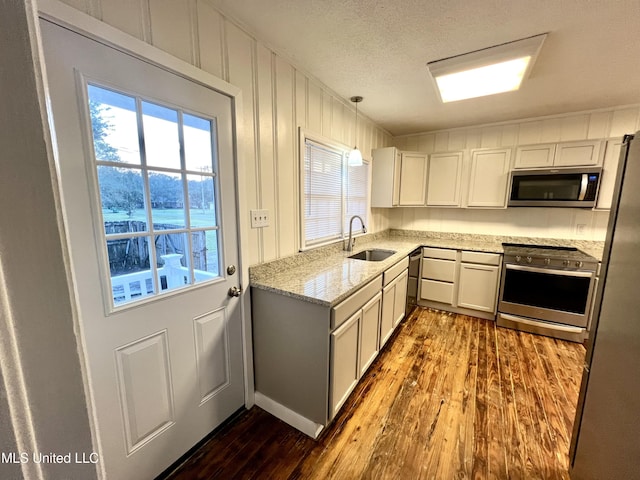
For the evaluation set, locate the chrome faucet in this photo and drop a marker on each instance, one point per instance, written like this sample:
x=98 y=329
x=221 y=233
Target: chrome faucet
x=349 y=246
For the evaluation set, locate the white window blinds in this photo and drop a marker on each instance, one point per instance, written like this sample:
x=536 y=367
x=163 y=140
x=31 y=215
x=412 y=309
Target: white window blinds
x=333 y=193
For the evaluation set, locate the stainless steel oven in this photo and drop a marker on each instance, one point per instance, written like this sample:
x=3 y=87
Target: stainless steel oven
x=547 y=290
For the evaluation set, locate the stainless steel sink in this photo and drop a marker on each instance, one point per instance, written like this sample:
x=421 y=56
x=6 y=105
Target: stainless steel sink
x=373 y=255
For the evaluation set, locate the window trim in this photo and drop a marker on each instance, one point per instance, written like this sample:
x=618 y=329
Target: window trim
x=303 y=135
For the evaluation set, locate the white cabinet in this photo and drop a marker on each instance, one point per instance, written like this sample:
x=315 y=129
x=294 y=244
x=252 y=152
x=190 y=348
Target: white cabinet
x=439 y=272
x=344 y=361
x=609 y=171
x=460 y=281
x=394 y=298
x=400 y=301
x=444 y=179
x=478 y=282
x=385 y=177
x=564 y=154
x=398 y=178
x=369 y=332
x=570 y=154
x=413 y=179
x=535 y=156
x=489 y=178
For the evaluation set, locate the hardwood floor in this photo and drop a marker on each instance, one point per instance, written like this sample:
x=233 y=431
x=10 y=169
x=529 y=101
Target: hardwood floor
x=450 y=397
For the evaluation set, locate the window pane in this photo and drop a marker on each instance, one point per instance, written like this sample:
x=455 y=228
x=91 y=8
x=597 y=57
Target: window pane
x=202 y=201
x=206 y=262
x=357 y=192
x=114 y=126
x=131 y=277
x=197 y=143
x=323 y=193
x=122 y=199
x=167 y=200
x=161 y=139
x=173 y=269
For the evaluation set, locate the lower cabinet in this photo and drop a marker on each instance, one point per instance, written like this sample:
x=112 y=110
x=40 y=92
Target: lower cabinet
x=308 y=357
x=344 y=361
x=460 y=281
x=478 y=287
x=394 y=301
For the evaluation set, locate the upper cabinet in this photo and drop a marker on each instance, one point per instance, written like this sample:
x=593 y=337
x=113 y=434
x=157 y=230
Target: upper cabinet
x=444 y=179
x=609 y=171
x=385 y=178
x=565 y=154
x=399 y=179
x=489 y=178
x=413 y=179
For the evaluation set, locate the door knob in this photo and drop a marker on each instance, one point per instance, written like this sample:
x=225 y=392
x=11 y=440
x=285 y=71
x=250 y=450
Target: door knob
x=234 y=292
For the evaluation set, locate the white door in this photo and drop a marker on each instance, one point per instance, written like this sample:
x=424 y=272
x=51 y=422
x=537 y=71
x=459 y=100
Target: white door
x=146 y=162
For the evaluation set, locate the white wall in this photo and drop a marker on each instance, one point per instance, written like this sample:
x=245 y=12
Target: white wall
x=534 y=222
x=277 y=97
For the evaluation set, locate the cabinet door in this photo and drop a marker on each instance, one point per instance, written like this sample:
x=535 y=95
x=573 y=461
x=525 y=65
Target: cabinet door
x=609 y=171
x=400 y=298
x=388 y=309
x=413 y=179
x=570 y=154
x=489 y=178
x=478 y=287
x=534 y=156
x=384 y=177
x=444 y=177
x=369 y=332
x=344 y=361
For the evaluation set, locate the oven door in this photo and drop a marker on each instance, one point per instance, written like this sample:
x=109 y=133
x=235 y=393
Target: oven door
x=559 y=296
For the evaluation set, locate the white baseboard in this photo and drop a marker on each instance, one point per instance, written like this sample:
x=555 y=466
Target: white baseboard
x=297 y=421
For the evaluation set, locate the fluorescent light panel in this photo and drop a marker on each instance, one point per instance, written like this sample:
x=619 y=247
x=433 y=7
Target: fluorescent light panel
x=485 y=72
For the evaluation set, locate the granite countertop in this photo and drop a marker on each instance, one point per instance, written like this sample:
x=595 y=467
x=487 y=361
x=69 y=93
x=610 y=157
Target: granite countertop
x=326 y=275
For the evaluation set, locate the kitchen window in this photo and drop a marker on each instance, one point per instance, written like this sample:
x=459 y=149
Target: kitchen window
x=331 y=191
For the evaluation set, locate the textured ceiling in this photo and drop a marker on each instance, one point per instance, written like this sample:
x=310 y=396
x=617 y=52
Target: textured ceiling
x=379 y=49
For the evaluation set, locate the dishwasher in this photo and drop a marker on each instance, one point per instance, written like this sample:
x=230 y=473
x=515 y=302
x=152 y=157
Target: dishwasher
x=415 y=258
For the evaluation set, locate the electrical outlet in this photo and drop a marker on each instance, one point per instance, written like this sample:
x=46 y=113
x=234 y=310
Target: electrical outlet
x=581 y=229
x=259 y=218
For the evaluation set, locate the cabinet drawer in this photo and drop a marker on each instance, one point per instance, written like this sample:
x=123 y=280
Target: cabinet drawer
x=481 y=257
x=443 y=253
x=436 y=291
x=345 y=309
x=393 y=272
x=436 y=269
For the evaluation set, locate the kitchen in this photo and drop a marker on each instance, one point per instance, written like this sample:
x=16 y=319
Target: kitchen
x=278 y=96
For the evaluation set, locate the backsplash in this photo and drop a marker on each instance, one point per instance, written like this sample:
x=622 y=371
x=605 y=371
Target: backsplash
x=563 y=223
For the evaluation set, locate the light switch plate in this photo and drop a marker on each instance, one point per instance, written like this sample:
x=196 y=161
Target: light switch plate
x=259 y=218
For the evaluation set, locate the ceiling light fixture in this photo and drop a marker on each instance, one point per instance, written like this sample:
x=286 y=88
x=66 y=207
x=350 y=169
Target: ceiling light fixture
x=492 y=70
x=355 y=156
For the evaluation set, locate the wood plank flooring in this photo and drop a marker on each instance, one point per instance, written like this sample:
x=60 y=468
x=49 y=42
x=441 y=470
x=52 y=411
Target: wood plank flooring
x=450 y=397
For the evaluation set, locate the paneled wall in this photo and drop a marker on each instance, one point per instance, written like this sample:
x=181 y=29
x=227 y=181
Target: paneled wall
x=277 y=99
x=535 y=222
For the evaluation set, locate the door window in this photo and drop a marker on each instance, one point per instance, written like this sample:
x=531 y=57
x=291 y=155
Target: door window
x=156 y=171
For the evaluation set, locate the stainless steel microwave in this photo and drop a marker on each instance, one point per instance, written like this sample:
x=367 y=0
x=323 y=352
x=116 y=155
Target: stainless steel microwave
x=555 y=187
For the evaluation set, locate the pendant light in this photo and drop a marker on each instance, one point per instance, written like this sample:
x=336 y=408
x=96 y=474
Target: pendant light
x=355 y=157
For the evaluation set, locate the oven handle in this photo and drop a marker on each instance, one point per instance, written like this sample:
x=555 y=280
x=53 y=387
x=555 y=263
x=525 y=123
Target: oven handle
x=583 y=187
x=551 y=271
x=550 y=326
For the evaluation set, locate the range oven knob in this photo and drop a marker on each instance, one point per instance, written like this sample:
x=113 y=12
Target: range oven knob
x=547 y=261
x=578 y=264
x=566 y=263
x=518 y=258
x=529 y=259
